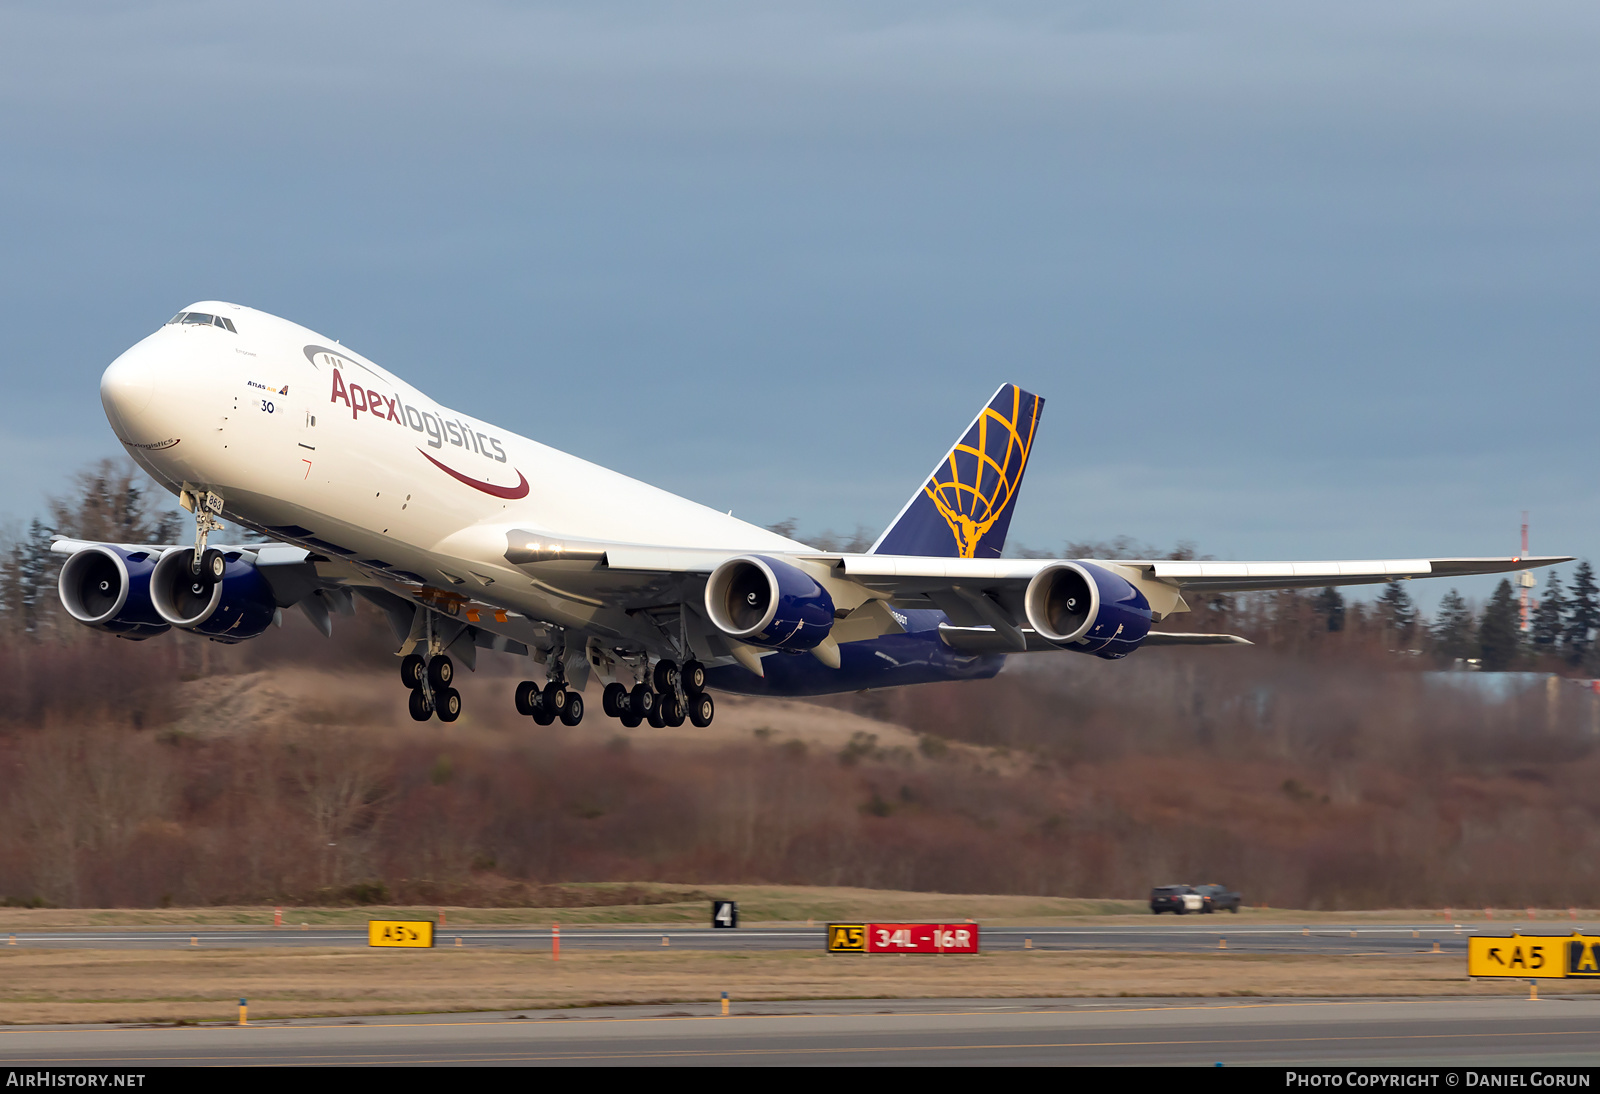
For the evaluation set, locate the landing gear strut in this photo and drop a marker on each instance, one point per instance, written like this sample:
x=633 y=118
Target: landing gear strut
x=207 y=566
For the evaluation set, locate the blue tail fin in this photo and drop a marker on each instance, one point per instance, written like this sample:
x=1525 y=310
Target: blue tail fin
x=964 y=509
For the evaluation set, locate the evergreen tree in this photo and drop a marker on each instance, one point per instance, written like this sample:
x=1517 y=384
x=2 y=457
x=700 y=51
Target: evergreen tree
x=111 y=500
x=1398 y=612
x=1583 y=615
x=27 y=586
x=1329 y=604
x=1453 y=628
x=1544 y=629
x=1499 y=638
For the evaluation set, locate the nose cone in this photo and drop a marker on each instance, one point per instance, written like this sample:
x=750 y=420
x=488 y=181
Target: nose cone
x=126 y=389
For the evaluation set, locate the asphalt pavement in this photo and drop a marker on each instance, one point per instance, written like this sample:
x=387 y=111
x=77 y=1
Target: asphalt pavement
x=1161 y=935
x=1554 y=1033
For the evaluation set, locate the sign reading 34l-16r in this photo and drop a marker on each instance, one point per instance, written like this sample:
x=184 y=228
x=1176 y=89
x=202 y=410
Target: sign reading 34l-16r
x=902 y=938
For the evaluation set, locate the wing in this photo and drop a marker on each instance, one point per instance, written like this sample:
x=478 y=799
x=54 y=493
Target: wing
x=910 y=577
x=1245 y=576
x=985 y=601
x=970 y=591
x=291 y=576
x=115 y=587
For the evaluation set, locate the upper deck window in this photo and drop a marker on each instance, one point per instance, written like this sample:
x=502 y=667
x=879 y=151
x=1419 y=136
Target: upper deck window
x=200 y=318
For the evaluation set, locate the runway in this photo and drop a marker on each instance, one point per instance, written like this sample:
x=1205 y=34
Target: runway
x=1552 y=1033
x=1160 y=936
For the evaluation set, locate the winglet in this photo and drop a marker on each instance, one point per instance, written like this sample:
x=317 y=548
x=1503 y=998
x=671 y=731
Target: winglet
x=964 y=508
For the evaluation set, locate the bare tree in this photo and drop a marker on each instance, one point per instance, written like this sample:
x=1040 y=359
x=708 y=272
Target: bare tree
x=345 y=782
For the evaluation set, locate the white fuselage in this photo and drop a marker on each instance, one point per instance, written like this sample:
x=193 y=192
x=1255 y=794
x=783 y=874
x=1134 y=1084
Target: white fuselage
x=297 y=433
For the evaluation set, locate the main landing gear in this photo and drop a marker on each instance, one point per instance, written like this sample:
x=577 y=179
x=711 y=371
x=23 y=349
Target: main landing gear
x=429 y=681
x=555 y=700
x=670 y=695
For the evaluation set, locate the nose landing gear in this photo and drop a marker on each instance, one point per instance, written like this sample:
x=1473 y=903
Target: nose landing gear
x=206 y=565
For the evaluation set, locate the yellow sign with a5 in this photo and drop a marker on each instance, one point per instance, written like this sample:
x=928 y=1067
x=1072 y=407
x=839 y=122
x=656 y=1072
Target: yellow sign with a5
x=400 y=932
x=1525 y=957
x=847 y=938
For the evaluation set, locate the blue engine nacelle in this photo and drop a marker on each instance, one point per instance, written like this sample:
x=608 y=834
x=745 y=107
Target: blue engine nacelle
x=239 y=606
x=767 y=602
x=1087 y=609
x=108 y=588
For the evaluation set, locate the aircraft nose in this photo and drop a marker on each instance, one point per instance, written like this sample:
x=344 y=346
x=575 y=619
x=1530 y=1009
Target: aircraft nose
x=128 y=383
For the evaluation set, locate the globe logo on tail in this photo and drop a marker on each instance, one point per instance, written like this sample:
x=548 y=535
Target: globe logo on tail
x=963 y=508
x=975 y=484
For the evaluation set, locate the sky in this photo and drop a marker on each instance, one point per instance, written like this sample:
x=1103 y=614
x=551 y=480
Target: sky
x=1296 y=281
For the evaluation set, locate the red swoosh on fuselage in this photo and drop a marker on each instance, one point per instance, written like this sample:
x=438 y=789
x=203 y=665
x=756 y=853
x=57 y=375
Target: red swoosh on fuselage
x=511 y=492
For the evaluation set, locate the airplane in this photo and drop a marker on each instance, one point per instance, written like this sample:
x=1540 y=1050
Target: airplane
x=468 y=537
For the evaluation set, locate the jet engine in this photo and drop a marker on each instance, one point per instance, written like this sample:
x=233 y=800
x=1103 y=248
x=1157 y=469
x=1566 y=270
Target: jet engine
x=1087 y=609
x=108 y=588
x=239 y=605
x=767 y=602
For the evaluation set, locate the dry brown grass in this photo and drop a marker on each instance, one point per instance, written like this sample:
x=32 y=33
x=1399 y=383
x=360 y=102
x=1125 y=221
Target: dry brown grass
x=40 y=986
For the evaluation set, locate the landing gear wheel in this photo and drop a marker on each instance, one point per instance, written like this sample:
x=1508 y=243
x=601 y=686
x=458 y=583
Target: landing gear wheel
x=542 y=713
x=440 y=672
x=420 y=708
x=212 y=566
x=701 y=710
x=694 y=677
x=654 y=717
x=614 y=700
x=665 y=676
x=449 y=705
x=642 y=701
x=630 y=720
x=572 y=713
x=525 y=693
x=413 y=669
x=555 y=697
x=671 y=711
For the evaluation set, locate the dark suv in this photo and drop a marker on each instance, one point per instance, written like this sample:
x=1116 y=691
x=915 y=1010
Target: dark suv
x=1214 y=898
x=1178 y=899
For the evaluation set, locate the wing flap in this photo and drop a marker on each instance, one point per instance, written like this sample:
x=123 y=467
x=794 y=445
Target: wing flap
x=990 y=640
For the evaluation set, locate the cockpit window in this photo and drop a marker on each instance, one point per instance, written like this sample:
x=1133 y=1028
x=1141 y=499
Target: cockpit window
x=200 y=318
